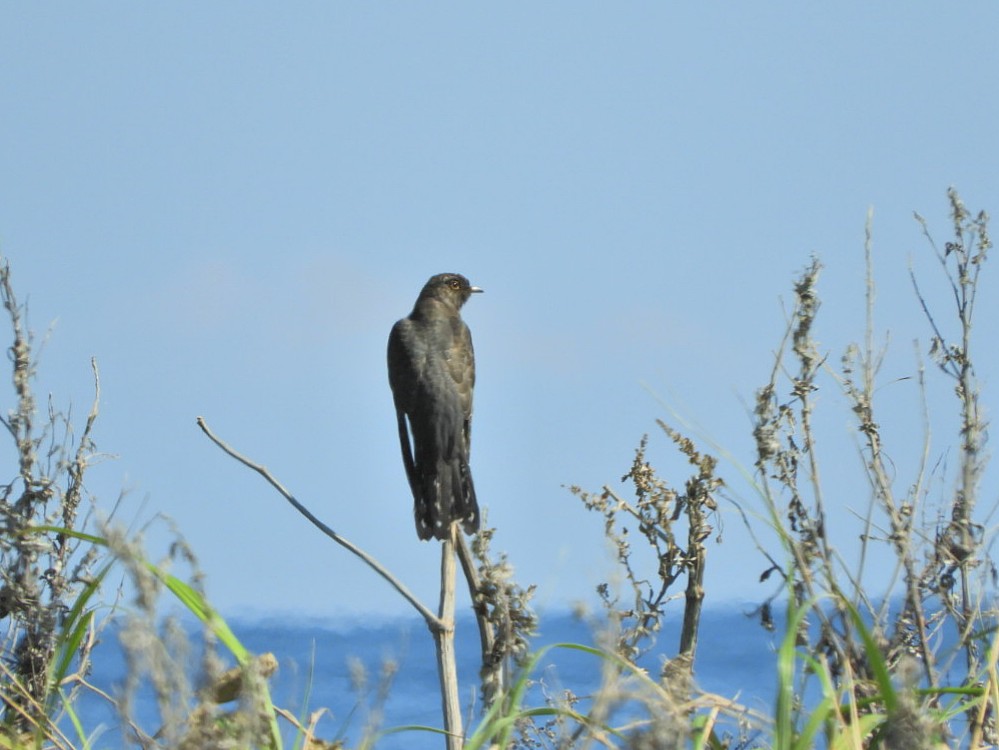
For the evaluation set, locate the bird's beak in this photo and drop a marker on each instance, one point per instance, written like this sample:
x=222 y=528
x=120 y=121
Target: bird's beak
x=475 y=289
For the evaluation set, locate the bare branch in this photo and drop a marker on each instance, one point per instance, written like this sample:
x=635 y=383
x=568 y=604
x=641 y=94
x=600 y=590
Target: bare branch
x=447 y=661
x=433 y=621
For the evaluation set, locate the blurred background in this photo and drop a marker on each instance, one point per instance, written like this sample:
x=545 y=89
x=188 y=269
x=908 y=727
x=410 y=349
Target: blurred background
x=228 y=206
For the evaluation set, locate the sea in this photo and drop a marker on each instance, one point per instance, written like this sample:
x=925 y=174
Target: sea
x=342 y=667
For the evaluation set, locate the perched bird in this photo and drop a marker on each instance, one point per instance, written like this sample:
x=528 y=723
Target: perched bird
x=431 y=369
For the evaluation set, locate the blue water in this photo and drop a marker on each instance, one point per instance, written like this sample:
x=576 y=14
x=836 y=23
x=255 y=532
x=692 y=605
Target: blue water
x=735 y=659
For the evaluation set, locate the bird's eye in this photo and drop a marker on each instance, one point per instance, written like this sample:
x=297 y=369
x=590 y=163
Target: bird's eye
x=454 y=284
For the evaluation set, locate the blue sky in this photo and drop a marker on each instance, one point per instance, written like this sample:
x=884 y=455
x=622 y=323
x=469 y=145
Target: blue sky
x=228 y=205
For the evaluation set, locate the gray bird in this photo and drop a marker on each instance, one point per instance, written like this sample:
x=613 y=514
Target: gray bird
x=431 y=367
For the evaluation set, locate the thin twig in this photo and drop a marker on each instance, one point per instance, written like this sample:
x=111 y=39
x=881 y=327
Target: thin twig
x=433 y=621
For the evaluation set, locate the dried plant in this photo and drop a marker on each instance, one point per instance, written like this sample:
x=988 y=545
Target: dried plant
x=674 y=527
x=43 y=573
x=503 y=607
x=942 y=568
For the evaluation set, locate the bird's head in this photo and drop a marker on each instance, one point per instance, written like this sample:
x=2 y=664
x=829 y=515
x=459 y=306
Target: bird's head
x=451 y=289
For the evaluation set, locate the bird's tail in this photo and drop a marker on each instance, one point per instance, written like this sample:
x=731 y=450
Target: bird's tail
x=466 y=505
x=448 y=494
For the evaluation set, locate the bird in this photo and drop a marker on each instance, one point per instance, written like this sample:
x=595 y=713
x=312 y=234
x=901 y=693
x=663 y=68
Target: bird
x=431 y=370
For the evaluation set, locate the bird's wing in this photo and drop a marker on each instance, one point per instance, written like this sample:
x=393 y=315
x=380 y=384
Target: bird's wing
x=401 y=378
x=461 y=365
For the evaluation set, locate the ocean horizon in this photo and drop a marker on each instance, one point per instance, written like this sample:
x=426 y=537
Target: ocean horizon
x=320 y=661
